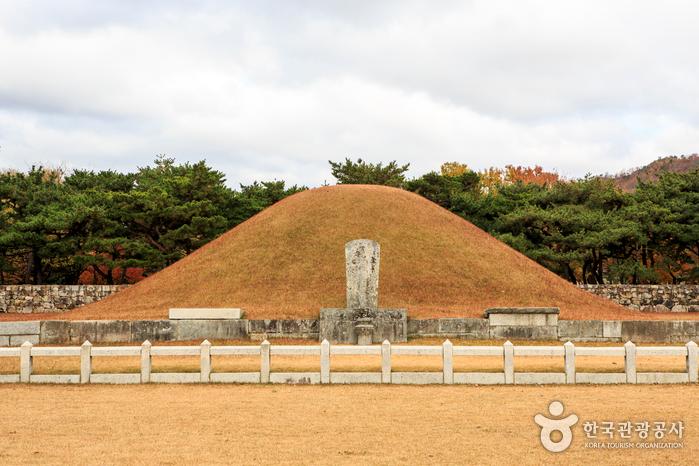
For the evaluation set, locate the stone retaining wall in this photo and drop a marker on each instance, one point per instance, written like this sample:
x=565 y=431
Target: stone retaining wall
x=124 y=331
x=646 y=331
x=137 y=331
x=654 y=298
x=56 y=298
x=51 y=298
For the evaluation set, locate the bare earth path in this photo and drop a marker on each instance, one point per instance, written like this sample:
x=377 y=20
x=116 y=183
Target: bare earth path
x=326 y=425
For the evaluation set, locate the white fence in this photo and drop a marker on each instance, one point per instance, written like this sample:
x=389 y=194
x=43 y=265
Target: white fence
x=325 y=351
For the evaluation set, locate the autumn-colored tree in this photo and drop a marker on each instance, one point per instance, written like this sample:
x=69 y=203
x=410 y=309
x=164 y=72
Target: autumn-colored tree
x=526 y=175
x=453 y=169
x=491 y=179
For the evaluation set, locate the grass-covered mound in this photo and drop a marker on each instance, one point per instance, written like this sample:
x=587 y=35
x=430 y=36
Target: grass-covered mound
x=288 y=262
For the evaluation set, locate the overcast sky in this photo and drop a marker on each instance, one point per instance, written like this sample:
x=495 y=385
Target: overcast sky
x=264 y=89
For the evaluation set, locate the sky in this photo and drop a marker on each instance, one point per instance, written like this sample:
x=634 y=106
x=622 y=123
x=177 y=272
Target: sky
x=268 y=90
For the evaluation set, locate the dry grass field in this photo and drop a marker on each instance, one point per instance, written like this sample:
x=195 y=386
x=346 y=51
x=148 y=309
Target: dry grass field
x=235 y=424
x=357 y=424
x=288 y=262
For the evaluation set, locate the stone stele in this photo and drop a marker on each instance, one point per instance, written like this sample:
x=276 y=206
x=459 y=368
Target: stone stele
x=362 y=262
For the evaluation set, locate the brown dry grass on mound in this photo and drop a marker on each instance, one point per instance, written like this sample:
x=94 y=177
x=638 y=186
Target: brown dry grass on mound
x=288 y=262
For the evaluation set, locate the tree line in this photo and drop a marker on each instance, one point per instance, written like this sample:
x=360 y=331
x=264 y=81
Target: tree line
x=111 y=227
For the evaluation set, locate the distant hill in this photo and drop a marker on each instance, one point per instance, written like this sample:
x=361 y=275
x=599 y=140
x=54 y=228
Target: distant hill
x=629 y=180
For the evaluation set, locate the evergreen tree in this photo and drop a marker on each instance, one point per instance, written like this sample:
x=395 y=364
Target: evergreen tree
x=361 y=172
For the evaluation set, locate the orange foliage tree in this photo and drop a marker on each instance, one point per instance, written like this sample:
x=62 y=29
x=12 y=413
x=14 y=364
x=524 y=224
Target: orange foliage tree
x=529 y=175
x=491 y=178
x=453 y=169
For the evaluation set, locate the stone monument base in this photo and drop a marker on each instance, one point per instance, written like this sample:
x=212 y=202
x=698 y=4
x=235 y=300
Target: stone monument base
x=363 y=326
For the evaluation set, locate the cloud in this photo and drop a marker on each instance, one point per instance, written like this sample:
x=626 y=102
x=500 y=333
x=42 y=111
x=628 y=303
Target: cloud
x=275 y=89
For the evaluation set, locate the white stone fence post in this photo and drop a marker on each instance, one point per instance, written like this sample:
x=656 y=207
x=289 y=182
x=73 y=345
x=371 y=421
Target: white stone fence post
x=509 y=362
x=569 y=361
x=630 y=362
x=145 y=361
x=265 y=363
x=692 y=362
x=325 y=362
x=205 y=361
x=25 y=362
x=448 y=362
x=386 y=362
x=85 y=362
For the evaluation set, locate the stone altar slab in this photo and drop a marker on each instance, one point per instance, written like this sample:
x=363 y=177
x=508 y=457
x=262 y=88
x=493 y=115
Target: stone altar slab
x=199 y=313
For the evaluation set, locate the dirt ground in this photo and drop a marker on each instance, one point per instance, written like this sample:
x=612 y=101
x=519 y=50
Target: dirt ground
x=178 y=424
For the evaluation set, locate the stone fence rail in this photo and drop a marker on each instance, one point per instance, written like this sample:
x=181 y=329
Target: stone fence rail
x=266 y=352
x=650 y=298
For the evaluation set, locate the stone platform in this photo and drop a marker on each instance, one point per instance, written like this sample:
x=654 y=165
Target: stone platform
x=523 y=322
x=363 y=326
